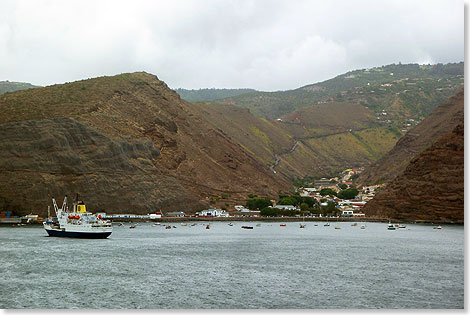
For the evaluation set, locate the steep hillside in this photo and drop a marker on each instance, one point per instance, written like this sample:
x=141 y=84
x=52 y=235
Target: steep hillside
x=135 y=146
x=205 y=95
x=444 y=118
x=431 y=188
x=263 y=139
x=7 y=86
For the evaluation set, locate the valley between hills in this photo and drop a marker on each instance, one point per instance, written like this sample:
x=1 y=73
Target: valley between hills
x=130 y=143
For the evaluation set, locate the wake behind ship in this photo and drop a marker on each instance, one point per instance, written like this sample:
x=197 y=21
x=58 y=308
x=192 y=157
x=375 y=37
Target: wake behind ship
x=76 y=223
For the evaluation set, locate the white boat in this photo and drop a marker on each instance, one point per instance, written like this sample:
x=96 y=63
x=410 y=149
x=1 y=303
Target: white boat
x=302 y=225
x=363 y=227
x=76 y=222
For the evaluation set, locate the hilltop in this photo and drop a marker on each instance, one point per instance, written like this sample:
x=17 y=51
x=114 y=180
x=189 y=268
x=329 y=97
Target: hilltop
x=8 y=86
x=405 y=90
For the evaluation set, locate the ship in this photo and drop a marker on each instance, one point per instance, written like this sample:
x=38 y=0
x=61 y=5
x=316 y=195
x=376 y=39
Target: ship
x=77 y=222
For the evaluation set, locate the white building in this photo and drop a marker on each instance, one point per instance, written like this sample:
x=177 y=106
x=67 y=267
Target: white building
x=285 y=207
x=217 y=213
x=156 y=215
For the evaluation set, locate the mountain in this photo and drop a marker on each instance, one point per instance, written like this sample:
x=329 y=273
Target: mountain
x=404 y=90
x=442 y=121
x=353 y=119
x=7 y=86
x=126 y=143
x=431 y=188
x=204 y=95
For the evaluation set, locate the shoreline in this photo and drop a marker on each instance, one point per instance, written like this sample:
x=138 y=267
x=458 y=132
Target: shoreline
x=269 y=219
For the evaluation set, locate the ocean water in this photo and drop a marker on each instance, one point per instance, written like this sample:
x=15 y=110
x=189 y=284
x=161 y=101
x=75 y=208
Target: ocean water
x=227 y=267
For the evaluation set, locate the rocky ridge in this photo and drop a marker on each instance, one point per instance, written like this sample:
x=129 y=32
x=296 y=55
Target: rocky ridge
x=431 y=188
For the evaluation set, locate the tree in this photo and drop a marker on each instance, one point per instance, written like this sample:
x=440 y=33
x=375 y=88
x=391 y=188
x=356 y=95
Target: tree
x=329 y=209
x=309 y=201
x=327 y=192
x=342 y=186
x=288 y=201
x=349 y=193
x=258 y=203
x=268 y=212
x=304 y=207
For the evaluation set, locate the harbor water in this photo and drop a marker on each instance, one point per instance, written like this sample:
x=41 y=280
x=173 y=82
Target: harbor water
x=227 y=267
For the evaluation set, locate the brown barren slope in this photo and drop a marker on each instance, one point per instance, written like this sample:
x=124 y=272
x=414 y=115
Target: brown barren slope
x=431 y=188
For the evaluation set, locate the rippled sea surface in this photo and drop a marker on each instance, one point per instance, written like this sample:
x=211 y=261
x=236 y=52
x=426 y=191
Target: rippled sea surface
x=227 y=267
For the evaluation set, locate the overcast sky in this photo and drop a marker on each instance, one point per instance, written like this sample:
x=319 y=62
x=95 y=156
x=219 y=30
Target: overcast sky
x=266 y=45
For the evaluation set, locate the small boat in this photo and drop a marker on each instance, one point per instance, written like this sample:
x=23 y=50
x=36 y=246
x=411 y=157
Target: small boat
x=174 y=227
x=302 y=225
x=315 y=225
x=156 y=224
x=230 y=224
x=354 y=224
x=337 y=228
x=194 y=224
x=283 y=224
x=183 y=224
x=168 y=227
x=363 y=227
x=208 y=227
x=121 y=224
x=401 y=226
x=247 y=227
x=438 y=227
x=391 y=227
x=133 y=226
x=259 y=224
x=327 y=224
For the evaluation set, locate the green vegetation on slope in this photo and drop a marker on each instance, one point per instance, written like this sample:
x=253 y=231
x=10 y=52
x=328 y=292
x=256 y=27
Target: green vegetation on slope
x=420 y=87
x=204 y=95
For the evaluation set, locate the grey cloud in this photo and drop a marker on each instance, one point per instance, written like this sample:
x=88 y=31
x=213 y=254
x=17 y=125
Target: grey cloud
x=267 y=45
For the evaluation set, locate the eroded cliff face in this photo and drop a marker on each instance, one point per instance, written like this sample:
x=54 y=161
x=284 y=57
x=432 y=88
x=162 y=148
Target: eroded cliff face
x=432 y=186
x=124 y=143
x=53 y=157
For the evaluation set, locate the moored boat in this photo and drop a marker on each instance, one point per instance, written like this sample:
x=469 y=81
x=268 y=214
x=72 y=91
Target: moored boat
x=247 y=227
x=77 y=223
